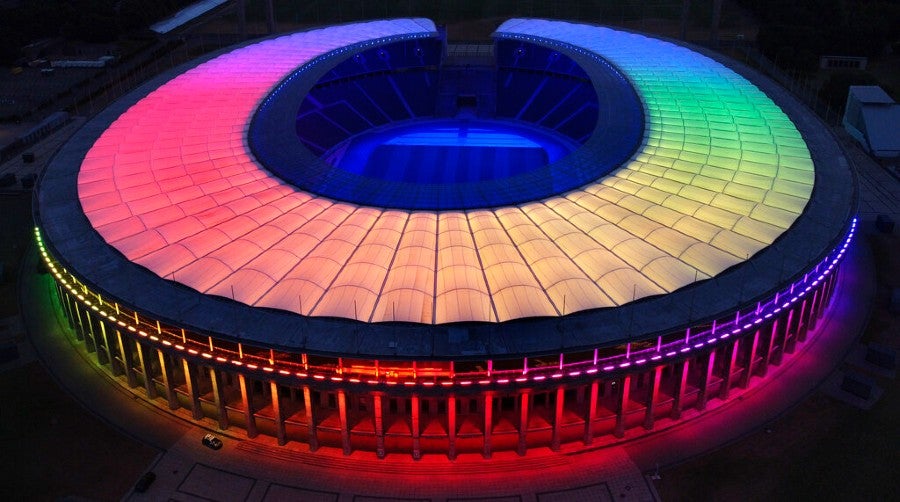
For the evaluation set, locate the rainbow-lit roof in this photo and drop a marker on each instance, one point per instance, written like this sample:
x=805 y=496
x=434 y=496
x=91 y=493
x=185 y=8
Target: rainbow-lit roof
x=721 y=174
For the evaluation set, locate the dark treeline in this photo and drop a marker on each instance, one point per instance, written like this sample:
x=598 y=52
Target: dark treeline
x=794 y=34
x=797 y=32
x=95 y=21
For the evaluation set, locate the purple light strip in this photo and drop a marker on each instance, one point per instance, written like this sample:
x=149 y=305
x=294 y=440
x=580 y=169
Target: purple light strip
x=764 y=310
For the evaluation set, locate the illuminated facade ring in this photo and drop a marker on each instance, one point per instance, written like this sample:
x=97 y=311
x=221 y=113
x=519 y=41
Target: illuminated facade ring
x=178 y=261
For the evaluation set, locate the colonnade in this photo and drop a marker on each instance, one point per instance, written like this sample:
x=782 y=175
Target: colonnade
x=420 y=420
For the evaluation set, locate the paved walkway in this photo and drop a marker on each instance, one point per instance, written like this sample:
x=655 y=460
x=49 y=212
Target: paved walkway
x=43 y=151
x=260 y=470
x=879 y=190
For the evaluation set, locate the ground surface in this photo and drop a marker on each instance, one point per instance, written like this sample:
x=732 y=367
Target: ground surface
x=15 y=224
x=52 y=447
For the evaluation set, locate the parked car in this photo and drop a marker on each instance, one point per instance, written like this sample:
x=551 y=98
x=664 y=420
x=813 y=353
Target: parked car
x=146 y=480
x=211 y=441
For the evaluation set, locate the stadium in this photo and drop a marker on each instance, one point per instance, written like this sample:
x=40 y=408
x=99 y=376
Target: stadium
x=361 y=237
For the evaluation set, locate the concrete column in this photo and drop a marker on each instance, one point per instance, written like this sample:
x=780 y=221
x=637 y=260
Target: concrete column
x=777 y=328
x=622 y=405
x=790 y=332
x=591 y=414
x=75 y=316
x=825 y=299
x=416 y=428
x=821 y=299
x=730 y=352
x=69 y=303
x=96 y=329
x=832 y=283
x=751 y=358
x=104 y=349
x=652 y=398
x=79 y=325
x=218 y=392
x=247 y=401
x=523 y=423
x=75 y=309
x=168 y=379
x=451 y=427
x=66 y=300
x=90 y=340
x=190 y=380
x=804 y=321
x=682 y=369
x=310 y=419
x=826 y=290
x=826 y=295
x=378 y=411
x=766 y=358
x=77 y=321
x=345 y=422
x=834 y=278
x=488 y=423
x=705 y=377
x=146 y=370
x=277 y=413
x=109 y=349
x=557 y=419
x=127 y=359
x=814 y=309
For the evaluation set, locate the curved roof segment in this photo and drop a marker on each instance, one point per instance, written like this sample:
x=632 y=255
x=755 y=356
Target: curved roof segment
x=721 y=174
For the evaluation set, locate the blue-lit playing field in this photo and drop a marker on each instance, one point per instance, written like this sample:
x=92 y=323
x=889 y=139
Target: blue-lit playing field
x=449 y=151
x=392 y=127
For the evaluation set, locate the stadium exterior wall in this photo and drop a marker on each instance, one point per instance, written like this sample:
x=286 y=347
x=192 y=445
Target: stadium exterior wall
x=426 y=407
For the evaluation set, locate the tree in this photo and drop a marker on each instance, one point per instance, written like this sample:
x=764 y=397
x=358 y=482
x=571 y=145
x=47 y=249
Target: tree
x=835 y=89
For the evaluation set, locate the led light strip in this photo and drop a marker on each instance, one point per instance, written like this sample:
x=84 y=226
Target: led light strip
x=611 y=365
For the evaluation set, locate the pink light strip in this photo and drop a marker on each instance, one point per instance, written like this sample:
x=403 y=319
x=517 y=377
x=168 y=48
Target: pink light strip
x=832 y=261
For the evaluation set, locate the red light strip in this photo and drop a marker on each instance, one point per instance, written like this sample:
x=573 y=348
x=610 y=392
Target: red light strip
x=758 y=319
